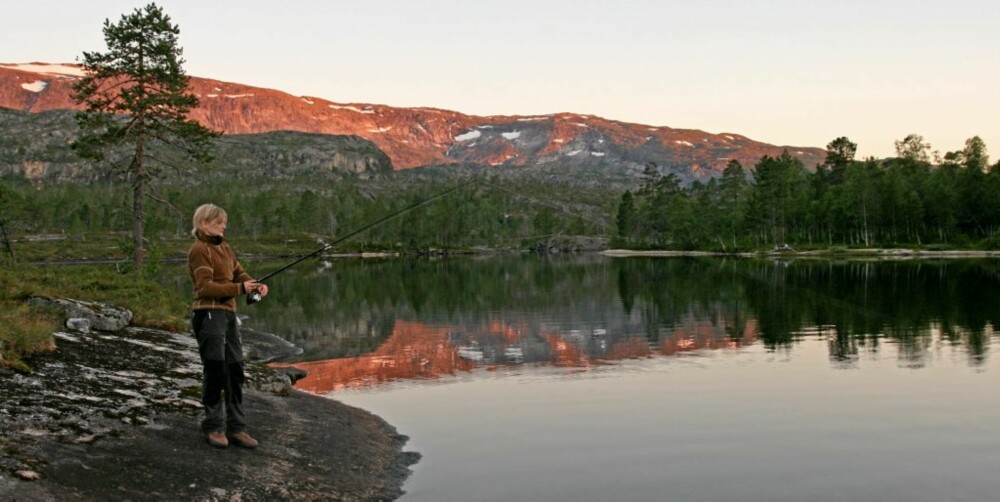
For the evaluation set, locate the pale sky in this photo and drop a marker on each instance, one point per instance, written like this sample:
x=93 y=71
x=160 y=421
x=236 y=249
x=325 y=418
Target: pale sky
x=785 y=72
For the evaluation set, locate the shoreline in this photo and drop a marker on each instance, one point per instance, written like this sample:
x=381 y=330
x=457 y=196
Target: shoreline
x=866 y=253
x=114 y=415
x=856 y=253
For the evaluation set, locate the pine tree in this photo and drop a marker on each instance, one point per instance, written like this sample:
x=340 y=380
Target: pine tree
x=10 y=207
x=136 y=103
x=625 y=218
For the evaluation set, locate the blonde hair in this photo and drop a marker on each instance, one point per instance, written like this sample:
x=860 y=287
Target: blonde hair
x=206 y=213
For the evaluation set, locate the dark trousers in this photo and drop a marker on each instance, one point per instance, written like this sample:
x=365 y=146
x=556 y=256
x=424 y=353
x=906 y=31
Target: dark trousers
x=222 y=358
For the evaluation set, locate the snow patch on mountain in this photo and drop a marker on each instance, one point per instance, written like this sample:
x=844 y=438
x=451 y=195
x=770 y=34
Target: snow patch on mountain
x=473 y=134
x=36 y=86
x=48 y=69
x=351 y=108
x=511 y=135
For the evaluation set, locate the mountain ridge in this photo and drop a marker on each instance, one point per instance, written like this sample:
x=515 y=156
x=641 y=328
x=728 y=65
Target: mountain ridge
x=424 y=136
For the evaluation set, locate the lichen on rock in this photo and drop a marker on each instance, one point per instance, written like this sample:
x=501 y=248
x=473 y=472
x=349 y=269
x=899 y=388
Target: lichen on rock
x=101 y=316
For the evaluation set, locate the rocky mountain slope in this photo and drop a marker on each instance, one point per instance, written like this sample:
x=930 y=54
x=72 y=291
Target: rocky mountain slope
x=36 y=146
x=414 y=137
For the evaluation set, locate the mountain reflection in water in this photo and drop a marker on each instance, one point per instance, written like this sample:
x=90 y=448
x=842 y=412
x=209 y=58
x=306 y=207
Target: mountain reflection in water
x=419 y=351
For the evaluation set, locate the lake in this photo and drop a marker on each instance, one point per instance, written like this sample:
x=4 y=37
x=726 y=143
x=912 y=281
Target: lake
x=591 y=378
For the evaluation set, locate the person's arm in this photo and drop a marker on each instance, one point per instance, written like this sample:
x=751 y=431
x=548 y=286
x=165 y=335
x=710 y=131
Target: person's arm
x=240 y=275
x=247 y=282
x=205 y=285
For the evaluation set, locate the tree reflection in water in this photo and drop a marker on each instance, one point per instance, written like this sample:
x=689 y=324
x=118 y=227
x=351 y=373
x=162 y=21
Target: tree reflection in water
x=365 y=322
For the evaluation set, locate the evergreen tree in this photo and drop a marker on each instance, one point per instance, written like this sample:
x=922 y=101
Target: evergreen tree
x=913 y=149
x=136 y=103
x=974 y=154
x=839 y=153
x=662 y=213
x=10 y=207
x=625 y=219
x=649 y=178
x=778 y=195
x=861 y=183
x=734 y=190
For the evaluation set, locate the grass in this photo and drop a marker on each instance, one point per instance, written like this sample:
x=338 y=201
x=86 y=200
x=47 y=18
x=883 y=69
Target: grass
x=116 y=247
x=25 y=330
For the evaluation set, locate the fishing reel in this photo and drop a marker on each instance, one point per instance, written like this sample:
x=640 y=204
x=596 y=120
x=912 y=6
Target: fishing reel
x=254 y=297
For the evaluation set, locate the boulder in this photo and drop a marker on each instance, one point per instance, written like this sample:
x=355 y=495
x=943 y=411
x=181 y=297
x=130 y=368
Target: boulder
x=294 y=374
x=101 y=316
x=275 y=383
x=78 y=324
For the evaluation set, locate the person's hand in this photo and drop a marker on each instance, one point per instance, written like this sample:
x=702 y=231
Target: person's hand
x=261 y=288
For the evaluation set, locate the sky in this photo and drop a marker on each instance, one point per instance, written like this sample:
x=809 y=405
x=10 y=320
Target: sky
x=798 y=73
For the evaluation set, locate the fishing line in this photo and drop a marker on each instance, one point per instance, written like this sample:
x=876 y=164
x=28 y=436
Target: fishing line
x=255 y=296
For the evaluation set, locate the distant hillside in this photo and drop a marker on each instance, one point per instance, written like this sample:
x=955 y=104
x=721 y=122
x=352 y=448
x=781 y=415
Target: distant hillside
x=36 y=146
x=413 y=137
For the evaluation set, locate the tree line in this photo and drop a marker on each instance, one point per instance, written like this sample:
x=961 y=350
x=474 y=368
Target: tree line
x=908 y=200
x=905 y=200
x=508 y=214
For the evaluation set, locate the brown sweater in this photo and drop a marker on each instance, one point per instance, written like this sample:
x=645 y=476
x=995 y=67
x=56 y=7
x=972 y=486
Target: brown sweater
x=216 y=274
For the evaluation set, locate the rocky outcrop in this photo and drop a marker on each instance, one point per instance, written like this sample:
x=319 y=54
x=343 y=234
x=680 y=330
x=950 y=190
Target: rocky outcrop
x=98 y=316
x=414 y=137
x=114 y=416
x=286 y=153
x=36 y=146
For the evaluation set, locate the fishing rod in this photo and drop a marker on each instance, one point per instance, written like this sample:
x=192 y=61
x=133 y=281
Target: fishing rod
x=255 y=296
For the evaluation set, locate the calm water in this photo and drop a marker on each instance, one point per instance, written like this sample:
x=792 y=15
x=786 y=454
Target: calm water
x=591 y=378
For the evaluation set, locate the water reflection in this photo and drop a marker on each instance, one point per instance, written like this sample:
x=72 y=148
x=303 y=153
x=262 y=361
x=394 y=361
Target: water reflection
x=362 y=323
x=419 y=351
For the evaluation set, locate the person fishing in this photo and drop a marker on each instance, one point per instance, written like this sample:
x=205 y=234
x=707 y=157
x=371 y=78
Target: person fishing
x=218 y=279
